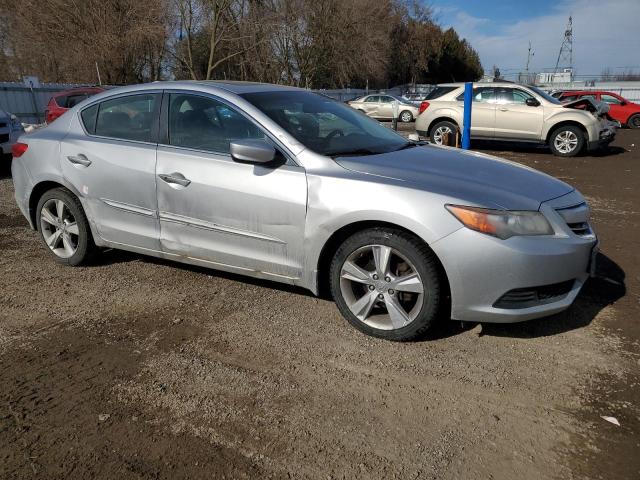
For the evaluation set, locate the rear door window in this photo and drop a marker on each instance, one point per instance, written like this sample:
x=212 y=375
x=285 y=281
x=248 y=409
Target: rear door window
x=610 y=99
x=134 y=117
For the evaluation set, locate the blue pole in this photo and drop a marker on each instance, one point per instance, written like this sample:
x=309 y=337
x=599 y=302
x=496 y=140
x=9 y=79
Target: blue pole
x=466 y=124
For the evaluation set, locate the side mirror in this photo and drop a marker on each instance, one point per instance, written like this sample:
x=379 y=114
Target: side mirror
x=532 y=102
x=252 y=151
x=623 y=103
x=413 y=137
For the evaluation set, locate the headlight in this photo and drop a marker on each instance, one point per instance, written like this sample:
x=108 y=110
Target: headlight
x=501 y=223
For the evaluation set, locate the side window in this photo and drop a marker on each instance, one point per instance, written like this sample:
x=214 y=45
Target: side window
x=73 y=100
x=592 y=97
x=568 y=98
x=482 y=94
x=128 y=118
x=203 y=123
x=610 y=99
x=372 y=99
x=520 y=96
x=89 y=116
x=386 y=99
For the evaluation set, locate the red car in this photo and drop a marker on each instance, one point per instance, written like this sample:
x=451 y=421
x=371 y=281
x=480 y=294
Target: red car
x=63 y=101
x=621 y=109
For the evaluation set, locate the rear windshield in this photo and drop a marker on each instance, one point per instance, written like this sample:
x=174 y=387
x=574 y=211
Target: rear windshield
x=438 y=92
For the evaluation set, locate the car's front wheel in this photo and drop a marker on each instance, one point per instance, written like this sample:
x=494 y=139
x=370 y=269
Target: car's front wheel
x=443 y=133
x=385 y=282
x=64 y=228
x=567 y=141
x=634 y=121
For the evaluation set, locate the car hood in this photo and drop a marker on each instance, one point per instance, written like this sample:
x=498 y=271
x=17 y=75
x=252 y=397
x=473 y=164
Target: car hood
x=463 y=175
x=588 y=104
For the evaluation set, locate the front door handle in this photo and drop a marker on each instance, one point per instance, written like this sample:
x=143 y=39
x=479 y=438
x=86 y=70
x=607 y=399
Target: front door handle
x=79 y=159
x=176 y=178
x=504 y=109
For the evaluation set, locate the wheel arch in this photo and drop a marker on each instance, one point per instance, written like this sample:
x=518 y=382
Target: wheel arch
x=332 y=244
x=566 y=123
x=40 y=189
x=441 y=118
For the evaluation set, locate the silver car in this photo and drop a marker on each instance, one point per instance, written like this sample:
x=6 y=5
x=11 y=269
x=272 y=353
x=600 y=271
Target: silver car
x=287 y=185
x=381 y=107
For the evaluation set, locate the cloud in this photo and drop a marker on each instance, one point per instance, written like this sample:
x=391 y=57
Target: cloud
x=604 y=35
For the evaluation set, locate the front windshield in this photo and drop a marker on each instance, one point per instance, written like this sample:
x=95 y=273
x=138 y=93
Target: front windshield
x=544 y=95
x=324 y=125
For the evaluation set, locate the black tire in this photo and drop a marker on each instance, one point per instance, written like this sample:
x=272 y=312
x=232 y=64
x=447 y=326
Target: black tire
x=406 y=116
x=573 y=132
x=435 y=137
x=86 y=248
x=634 y=121
x=416 y=252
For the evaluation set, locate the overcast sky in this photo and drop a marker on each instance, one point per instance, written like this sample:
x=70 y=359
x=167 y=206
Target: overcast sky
x=605 y=32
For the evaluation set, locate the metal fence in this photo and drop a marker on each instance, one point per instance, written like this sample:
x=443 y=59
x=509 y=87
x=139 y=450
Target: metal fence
x=27 y=103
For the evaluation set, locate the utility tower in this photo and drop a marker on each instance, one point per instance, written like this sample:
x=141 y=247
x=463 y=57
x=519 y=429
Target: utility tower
x=565 y=56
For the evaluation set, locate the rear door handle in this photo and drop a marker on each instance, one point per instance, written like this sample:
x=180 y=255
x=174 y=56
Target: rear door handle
x=504 y=109
x=176 y=178
x=79 y=159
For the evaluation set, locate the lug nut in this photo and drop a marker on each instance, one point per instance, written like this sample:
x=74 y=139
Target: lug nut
x=371 y=287
x=387 y=279
x=380 y=296
x=375 y=277
x=391 y=292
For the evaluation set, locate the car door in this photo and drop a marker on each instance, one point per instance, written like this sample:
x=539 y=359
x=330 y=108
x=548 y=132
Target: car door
x=371 y=105
x=483 y=111
x=514 y=118
x=235 y=216
x=616 y=109
x=385 y=110
x=112 y=164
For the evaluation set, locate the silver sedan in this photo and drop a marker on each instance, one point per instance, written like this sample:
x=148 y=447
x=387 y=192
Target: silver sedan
x=286 y=185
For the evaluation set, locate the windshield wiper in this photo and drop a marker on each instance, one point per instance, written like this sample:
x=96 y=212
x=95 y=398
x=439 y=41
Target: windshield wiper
x=358 y=151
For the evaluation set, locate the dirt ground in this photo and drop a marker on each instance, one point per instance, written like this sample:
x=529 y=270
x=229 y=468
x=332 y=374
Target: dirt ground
x=139 y=368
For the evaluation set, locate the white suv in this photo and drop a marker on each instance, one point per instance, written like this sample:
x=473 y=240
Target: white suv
x=516 y=113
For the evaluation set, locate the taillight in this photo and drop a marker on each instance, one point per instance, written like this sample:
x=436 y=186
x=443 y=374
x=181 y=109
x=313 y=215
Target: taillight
x=18 y=149
x=423 y=107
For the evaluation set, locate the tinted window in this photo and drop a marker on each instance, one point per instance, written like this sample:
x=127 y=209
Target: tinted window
x=324 y=125
x=128 y=118
x=89 y=116
x=439 y=92
x=73 y=100
x=206 y=124
x=610 y=99
x=373 y=99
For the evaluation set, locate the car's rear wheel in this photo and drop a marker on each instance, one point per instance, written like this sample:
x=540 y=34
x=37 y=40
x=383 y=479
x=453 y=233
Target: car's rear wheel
x=385 y=282
x=567 y=141
x=443 y=133
x=634 y=121
x=406 y=116
x=64 y=228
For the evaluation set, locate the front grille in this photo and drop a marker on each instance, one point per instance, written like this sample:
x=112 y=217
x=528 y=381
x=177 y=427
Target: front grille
x=577 y=218
x=4 y=137
x=534 y=296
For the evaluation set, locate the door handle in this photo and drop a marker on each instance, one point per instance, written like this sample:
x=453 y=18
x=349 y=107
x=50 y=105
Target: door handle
x=79 y=159
x=176 y=178
x=504 y=109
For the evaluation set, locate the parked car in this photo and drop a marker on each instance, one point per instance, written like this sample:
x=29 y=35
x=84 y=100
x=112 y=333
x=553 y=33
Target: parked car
x=517 y=113
x=287 y=185
x=10 y=129
x=63 y=101
x=413 y=98
x=624 y=111
x=380 y=107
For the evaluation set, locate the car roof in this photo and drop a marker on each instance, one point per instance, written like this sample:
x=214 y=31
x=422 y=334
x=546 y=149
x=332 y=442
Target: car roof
x=580 y=92
x=71 y=91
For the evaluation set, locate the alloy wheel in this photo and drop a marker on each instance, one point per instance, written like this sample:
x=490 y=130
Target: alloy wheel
x=439 y=133
x=405 y=117
x=566 y=141
x=59 y=228
x=381 y=287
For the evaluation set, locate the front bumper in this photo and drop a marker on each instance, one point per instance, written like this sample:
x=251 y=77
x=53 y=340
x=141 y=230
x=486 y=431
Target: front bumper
x=481 y=269
x=606 y=135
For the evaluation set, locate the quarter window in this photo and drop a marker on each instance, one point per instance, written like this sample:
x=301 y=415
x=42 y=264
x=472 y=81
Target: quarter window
x=128 y=118
x=206 y=124
x=89 y=116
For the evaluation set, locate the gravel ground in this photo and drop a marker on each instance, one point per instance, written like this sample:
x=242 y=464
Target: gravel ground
x=138 y=368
